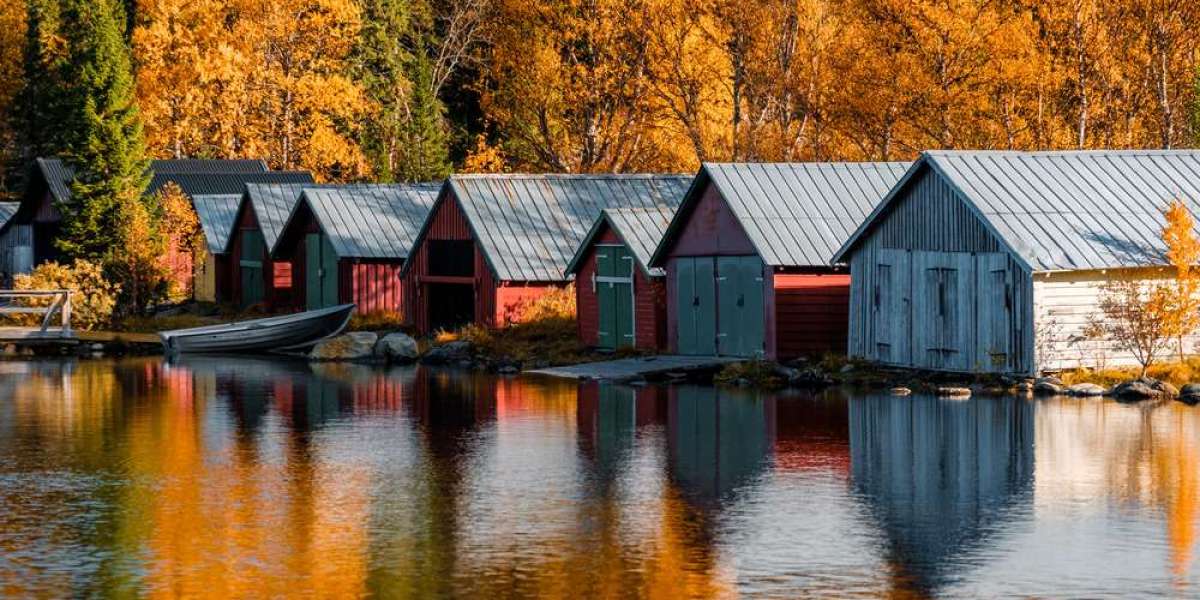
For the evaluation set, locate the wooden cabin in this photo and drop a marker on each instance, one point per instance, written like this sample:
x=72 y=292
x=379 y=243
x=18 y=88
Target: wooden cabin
x=15 y=248
x=216 y=214
x=255 y=278
x=747 y=257
x=493 y=243
x=993 y=261
x=620 y=301
x=347 y=244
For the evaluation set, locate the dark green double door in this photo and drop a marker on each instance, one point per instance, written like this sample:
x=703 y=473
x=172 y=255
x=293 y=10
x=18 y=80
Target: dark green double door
x=320 y=272
x=251 y=268
x=719 y=305
x=614 y=297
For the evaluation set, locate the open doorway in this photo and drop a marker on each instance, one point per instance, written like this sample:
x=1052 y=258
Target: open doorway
x=451 y=305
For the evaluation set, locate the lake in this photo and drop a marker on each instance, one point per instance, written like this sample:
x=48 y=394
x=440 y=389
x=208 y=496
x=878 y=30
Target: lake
x=243 y=477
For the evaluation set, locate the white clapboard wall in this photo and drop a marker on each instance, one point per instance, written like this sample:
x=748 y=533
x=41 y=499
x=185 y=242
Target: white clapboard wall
x=1065 y=304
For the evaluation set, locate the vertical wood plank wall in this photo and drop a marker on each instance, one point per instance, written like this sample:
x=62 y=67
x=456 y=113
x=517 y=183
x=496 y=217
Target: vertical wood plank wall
x=446 y=223
x=15 y=236
x=649 y=302
x=374 y=286
x=931 y=217
x=811 y=311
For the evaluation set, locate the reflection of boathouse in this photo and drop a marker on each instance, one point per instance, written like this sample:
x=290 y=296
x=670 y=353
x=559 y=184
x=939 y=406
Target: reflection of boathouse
x=719 y=439
x=940 y=477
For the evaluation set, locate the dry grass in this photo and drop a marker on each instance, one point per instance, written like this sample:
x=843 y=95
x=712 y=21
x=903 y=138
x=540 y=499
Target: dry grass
x=377 y=321
x=1176 y=373
x=552 y=341
x=136 y=324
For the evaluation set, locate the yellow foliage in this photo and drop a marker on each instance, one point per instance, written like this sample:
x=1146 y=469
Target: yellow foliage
x=555 y=304
x=93 y=297
x=1181 y=298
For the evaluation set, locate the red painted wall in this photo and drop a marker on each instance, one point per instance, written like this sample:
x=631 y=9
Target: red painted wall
x=649 y=297
x=495 y=301
x=373 y=285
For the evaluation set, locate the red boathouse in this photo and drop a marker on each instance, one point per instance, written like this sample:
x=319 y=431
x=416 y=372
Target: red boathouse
x=747 y=257
x=347 y=244
x=256 y=279
x=495 y=242
x=621 y=301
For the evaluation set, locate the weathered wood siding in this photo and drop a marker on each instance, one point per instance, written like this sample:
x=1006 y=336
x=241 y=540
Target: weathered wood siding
x=1065 y=303
x=16 y=252
x=373 y=285
x=205 y=283
x=930 y=246
x=649 y=302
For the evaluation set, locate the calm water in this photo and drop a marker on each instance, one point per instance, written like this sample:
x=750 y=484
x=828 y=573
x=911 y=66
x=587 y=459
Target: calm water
x=254 y=478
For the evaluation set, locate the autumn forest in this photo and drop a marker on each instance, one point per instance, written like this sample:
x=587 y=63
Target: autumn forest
x=414 y=89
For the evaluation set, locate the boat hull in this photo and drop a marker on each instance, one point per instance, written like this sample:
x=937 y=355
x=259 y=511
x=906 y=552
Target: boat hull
x=286 y=332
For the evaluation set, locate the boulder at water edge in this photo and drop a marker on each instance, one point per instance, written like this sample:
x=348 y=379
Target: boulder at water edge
x=1190 y=394
x=399 y=348
x=453 y=352
x=1143 y=388
x=1090 y=390
x=355 y=346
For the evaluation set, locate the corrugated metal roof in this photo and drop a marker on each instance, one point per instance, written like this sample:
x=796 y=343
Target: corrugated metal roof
x=58 y=175
x=217 y=214
x=194 y=184
x=529 y=226
x=371 y=221
x=795 y=214
x=272 y=204
x=640 y=229
x=7 y=210
x=1069 y=210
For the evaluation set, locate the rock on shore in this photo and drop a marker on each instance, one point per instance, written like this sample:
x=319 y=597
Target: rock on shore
x=353 y=346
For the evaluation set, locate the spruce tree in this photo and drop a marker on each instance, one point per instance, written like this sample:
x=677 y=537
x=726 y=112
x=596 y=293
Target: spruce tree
x=105 y=144
x=406 y=140
x=42 y=103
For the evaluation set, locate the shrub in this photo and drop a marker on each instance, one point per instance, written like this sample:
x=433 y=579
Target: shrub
x=558 y=303
x=379 y=320
x=93 y=297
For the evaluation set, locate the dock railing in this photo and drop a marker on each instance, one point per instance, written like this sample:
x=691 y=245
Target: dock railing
x=60 y=302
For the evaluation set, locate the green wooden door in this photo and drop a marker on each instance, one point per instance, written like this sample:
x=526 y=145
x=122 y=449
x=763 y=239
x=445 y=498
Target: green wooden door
x=740 y=306
x=695 y=298
x=614 y=296
x=254 y=251
x=320 y=272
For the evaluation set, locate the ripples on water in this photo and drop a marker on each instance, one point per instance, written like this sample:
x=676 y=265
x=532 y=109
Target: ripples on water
x=220 y=477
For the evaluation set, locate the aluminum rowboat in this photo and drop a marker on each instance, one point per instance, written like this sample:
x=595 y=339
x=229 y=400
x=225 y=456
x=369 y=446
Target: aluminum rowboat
x=287 y=332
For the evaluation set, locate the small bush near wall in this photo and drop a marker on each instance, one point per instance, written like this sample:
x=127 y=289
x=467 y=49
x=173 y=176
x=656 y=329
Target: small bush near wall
x=93 y=298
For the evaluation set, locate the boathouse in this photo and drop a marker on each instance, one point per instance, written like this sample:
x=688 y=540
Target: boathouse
x=256 y=279
x=216 y=214
x=747 y=256
x=993 y=261
x=347 y=244
x=620 y=301
x=13 y=255
x=495 y=242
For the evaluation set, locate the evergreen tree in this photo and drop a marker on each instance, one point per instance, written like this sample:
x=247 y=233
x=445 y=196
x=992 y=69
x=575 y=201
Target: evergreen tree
x=41 y=105
x=406 y=139
x=104 y=128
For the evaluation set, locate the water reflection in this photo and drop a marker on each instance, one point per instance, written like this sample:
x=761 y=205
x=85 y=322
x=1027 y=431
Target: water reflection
x=222 y=477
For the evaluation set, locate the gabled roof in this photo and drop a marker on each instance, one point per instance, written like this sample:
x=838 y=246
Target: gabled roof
x=217 y=214
x=369 y=221
x=640 y=229
x=1064 y=210
x=58 y=175
x=795 y=214
x=529 y=226
x=7 y=210
x=194 y=184
x=272 y=204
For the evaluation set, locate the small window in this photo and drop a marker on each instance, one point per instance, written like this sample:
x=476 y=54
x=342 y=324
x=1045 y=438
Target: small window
x=452 y=258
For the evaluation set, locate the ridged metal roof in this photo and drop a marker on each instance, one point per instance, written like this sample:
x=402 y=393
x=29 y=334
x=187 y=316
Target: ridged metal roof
x=58 y=175
x=529 y=226
x=795 y=214
x=1069 y=210
x=640 y=229
x=217 y=214
x=272 y=204
x=7 y=210
x=371 y=221
x=194 y=184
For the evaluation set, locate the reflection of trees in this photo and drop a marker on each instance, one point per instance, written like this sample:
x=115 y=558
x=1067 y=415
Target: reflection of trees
x=940 y=477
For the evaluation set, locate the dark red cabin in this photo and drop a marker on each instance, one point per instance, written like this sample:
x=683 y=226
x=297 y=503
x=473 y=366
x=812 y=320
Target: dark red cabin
x=257 y=279
x=620 y=301
x=747 y=257
x=347 y=244
x=495 y=243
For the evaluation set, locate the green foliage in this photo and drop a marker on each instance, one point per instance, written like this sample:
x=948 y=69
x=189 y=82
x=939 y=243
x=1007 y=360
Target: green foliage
x=407 y=138
x=104 y=126
x=94 y=297
x=134 y=260
x=43 y=98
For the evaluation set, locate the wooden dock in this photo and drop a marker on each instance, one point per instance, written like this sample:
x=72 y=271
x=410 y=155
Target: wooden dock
x=627 y=369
